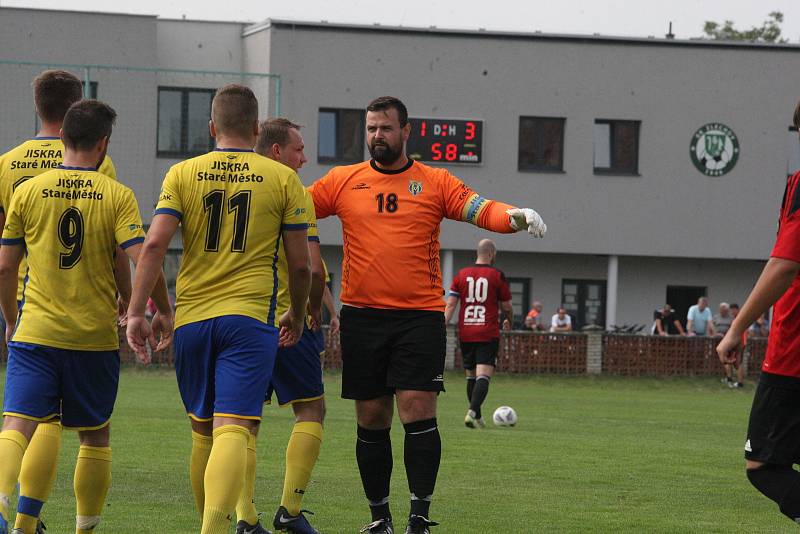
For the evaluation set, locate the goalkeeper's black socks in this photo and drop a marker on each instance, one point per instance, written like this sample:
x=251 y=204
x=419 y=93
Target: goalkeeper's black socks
x=423 y=451
x=374 y=456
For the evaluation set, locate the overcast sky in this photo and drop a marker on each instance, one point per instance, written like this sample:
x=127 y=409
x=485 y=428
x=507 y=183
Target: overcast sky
x=607 y=17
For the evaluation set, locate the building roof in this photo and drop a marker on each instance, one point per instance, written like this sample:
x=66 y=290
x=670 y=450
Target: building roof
x=500 y=34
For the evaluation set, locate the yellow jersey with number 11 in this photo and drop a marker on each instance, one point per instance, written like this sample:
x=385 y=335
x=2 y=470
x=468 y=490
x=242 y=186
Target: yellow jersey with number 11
x=233 y=206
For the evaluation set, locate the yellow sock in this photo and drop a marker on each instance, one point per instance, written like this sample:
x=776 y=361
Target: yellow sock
x=92 y=480
x=201 y=448
x=301 y=456
x=246 y=507
x=224 y=477
x=37 y=474
x=12 y=449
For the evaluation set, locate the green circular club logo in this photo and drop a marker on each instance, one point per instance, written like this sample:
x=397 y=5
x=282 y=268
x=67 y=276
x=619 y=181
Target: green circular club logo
x=714 y=149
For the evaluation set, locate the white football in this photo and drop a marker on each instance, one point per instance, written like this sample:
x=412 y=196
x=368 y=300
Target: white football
x=505 y=416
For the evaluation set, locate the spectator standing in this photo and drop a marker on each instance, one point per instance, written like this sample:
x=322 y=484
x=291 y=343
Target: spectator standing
x=698 y=320
x=561 y=321
x=722 y=320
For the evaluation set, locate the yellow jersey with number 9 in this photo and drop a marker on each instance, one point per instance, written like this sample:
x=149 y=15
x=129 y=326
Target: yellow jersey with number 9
x=71 y=220
x=233 y=206
x=32 y=158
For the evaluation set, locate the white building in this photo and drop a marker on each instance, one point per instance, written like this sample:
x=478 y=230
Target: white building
x=593 y=132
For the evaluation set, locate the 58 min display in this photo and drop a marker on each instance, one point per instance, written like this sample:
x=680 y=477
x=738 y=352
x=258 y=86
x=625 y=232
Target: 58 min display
x=455 y=141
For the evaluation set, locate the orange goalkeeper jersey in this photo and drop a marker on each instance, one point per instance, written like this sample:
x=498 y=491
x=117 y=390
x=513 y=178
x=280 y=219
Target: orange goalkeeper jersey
x=390 y=221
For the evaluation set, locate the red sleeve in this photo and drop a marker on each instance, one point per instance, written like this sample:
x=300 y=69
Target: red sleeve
x=504 y=294
x=787 y=244
x=323 y=193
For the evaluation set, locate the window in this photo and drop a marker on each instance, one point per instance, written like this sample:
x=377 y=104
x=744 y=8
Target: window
x=520 y=292
x=541 y=144
x=616 y=147
x=183 y=116
x=341 y=135
x=585 y=302
x=793 y=164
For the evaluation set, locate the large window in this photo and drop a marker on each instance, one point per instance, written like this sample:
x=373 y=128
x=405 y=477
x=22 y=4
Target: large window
x=520 y=291
x=541 y=144
x=341 y=135
x=616 y=147
x=183 y=116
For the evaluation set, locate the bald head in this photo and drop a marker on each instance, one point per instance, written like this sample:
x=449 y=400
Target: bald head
x=486 y=251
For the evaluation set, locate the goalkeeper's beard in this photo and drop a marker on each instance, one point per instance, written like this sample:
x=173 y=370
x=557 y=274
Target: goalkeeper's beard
x=385 y=154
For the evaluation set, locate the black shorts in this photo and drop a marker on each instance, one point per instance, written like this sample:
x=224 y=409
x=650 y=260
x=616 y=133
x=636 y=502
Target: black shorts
x=384 y=350
x=773 y=434
x=479 y=352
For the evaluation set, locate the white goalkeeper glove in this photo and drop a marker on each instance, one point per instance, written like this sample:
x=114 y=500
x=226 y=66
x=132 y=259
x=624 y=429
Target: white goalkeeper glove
x=522 y=218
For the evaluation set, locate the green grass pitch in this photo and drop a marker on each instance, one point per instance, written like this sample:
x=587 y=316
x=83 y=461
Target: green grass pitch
x=590 y=454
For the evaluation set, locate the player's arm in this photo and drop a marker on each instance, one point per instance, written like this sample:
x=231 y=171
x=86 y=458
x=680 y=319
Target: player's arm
x=327 y=300
x=450 y=307
x=148 y=258
x=11 y=254
x=298 y=263
x=122 y=277
x=777 y=276
x=508 y=310
x=317 y=289
x=12 y=249
x=464 y=204
x=690 y=325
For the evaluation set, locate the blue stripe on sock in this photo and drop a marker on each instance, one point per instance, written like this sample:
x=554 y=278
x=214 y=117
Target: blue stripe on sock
x=29 y=506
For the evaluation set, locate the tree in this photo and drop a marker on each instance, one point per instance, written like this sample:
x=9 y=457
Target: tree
x=768 y=32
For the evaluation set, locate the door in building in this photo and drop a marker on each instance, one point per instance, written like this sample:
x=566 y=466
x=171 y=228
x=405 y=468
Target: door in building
x=681 y=297
x=585 y=301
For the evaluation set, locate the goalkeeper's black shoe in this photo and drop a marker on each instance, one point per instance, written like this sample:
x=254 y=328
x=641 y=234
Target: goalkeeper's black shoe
x=381 y=526
x=419 y=525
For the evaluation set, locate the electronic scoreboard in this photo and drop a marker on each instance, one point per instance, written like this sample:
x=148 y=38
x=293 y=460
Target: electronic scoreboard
x=448 y=141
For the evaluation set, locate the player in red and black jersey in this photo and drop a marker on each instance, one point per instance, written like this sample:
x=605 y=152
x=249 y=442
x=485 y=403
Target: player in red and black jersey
x=482 y=291
x=773 y=434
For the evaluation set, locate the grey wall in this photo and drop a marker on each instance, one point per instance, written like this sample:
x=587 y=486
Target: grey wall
x=199 y=45
x=670 y=210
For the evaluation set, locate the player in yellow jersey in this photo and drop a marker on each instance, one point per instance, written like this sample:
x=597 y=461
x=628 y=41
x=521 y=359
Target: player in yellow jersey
x=54 y=91
x=236 y=208
x=63 y=344
x=297 y=378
